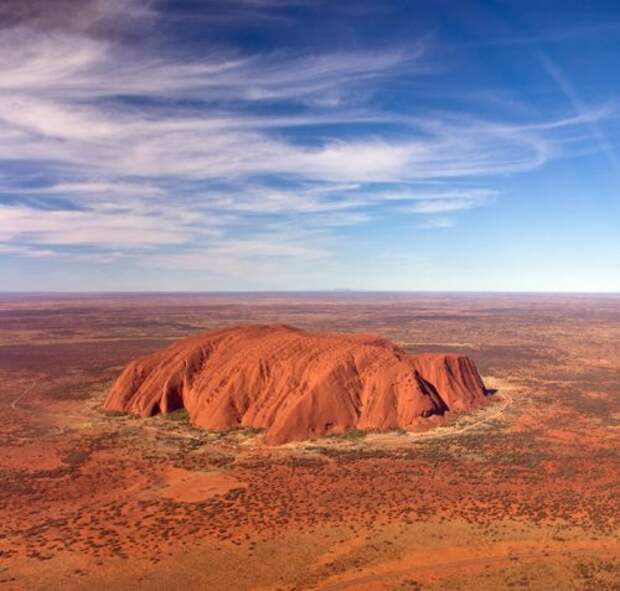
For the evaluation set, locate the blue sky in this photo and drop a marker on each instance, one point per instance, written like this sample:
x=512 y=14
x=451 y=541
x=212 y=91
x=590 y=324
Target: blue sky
x=295 y=145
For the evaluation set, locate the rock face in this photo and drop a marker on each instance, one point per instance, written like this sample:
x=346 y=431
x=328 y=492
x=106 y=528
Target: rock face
x=294 y=384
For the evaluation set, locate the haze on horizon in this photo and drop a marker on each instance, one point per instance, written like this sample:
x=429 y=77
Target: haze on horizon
x=307 y=144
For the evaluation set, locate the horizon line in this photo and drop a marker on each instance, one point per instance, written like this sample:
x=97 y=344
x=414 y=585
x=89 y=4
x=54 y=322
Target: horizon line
x=304 y=291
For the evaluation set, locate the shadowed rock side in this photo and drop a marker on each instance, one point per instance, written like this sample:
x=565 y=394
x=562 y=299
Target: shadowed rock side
x=294 y=384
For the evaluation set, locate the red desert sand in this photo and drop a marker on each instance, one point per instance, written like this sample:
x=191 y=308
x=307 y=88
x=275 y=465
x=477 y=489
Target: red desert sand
x=296 y=385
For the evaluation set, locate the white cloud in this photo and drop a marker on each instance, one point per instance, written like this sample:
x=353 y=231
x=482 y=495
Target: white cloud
x=434 y=222
x=261 y=259
x=101 y=227
x=96 y=188
x=26 y=251
x=141 y=173
x=448 y=201
x=443 y=205
x=80 y=16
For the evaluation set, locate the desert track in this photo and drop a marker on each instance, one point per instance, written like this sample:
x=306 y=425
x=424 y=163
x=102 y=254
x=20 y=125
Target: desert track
x=17 y=400
x=448 y=565
x=440 y=432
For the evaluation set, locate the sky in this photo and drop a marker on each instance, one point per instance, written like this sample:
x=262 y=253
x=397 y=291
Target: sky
x=244 y=145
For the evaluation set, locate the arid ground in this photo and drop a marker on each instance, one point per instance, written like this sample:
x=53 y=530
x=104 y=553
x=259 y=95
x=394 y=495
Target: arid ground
x=523 y=493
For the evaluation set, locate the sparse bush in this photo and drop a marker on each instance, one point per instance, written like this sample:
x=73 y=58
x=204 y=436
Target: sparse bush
x=114 y=413
x=353 y=434
x=180 y=414
x=75 y=458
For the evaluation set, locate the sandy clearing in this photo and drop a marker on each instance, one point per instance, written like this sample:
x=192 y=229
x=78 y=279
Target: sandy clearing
x=192 y=487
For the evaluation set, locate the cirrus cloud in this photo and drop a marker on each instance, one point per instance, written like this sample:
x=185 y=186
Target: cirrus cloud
x=168 y=155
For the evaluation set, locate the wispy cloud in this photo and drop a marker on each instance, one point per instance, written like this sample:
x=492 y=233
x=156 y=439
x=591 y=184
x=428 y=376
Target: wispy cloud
x=101 y=226
x=434 y=222
x=76 y=16
x=449 y=201
x=27 y=251
x=173 y=157
x=582 y=110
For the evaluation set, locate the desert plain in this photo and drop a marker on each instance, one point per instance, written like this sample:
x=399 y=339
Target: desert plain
x=520 y=493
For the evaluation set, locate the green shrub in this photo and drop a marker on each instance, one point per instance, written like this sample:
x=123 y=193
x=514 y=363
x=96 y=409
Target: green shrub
x=180 y=414
x=114 y=413
x=353 y=434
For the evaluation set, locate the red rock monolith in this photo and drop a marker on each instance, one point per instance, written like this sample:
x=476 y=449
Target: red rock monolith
x=294 y=384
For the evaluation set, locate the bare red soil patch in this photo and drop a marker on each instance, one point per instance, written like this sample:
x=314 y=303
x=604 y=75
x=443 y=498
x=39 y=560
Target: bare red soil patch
x=29 y=456
x=192 y=487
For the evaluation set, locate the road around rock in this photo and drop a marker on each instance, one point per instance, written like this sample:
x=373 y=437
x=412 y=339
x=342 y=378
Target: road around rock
x=439 y=432
x=17 y=400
